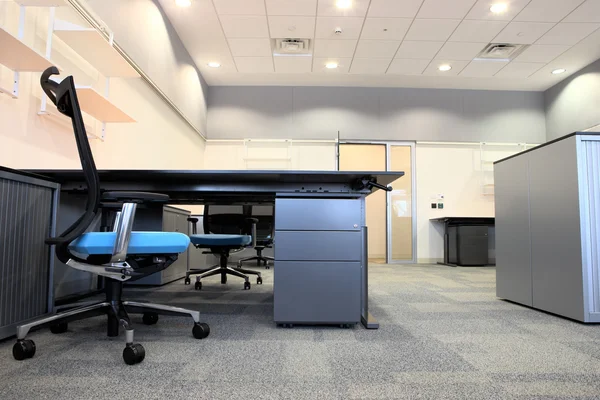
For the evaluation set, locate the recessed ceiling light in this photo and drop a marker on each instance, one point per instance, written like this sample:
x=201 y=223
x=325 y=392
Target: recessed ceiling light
x=183 y=3
x=343 y=3
x=559 y=71
x=499 y=8
x=331 y=65
x=214 y=64
x=444 y=68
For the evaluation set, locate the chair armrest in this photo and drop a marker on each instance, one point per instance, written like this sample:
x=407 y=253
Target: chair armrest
x=135 y=197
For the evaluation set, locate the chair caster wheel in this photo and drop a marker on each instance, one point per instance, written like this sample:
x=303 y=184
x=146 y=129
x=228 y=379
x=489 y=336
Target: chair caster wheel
x=150 y=318
x=61 y=327
x=267 y=266
x=23 y=349
x=246 y=285
x=187 y=281
x=259 y=281
x=134 y=354
x=200 y=330
x=198 y=286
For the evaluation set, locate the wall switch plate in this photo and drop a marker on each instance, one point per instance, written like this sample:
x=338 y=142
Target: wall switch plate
x=440 y=205
x=433 y=205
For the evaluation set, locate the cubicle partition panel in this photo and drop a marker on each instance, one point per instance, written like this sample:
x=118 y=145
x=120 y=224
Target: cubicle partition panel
x=28 y=206
x=547 y=202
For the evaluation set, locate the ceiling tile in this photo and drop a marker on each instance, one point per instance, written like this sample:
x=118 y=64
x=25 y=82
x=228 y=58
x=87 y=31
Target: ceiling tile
x=541 y=53
x=250 y=47
x=291 y=7
x=482 y=69
x=568 y=33
x=432 y=29
x=385 y=28
x=245 y=26
x=407 y=67
x=254 y=64
x=478 y=31
x=519 y=70
x=350 y=26
x=240 y=7
x=292 y=64
x=481 y=10
x=523 y=32
x=394 y=8
x=457 y=66
x=460 y=51
x=292 y=27
x=376 y=48
x=343 y=65
x=589 y=11
x=419 y=50
x=547 y=10
x=445 y=9
x=334 y=48
x=369 y=65
x=328 y=8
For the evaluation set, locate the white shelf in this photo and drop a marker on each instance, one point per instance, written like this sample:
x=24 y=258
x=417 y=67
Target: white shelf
x=99 y=107
x=41 y=3
x=19 y=57
x=95 y=49
x=267 y=159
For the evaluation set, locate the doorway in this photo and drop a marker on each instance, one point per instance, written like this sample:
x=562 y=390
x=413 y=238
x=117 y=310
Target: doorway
x=390 y=216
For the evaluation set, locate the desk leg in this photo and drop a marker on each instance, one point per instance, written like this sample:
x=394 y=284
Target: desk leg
x=446 y=247
x=366 y=318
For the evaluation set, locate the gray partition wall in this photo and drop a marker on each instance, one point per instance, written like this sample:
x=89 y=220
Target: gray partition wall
x=547 y=227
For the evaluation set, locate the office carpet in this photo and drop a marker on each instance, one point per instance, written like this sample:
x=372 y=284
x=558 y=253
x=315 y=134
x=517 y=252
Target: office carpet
x=443 y=335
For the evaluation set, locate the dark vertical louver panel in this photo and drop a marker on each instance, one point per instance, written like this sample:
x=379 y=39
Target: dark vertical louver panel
x=25 y=223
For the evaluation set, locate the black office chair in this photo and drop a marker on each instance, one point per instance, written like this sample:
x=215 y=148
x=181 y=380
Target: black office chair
x=225 y=232
x=265 y=230
x=118 y=256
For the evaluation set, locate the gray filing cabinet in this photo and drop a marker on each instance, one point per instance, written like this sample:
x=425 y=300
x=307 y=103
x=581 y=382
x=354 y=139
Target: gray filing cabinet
x=318 y=251
x=171 y=219
x=468 y=245
x=28 y=207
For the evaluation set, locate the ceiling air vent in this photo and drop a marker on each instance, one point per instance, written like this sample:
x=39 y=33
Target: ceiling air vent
x=290 y=47
x=501 y=51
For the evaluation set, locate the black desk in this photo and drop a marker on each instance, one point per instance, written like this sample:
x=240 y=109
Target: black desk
x=252 y=187
x=459 y=221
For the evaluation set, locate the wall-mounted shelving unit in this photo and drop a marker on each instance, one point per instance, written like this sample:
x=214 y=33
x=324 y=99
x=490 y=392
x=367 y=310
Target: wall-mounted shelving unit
x=19 y=57
x=487 y=159
x=41 y=3
x=95 y=49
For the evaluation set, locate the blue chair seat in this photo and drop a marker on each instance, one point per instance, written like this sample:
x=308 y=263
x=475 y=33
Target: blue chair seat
x=220 y=240
x=139 y=243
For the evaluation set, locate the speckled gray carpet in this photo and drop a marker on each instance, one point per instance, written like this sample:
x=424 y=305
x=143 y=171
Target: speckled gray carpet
x=443 y=335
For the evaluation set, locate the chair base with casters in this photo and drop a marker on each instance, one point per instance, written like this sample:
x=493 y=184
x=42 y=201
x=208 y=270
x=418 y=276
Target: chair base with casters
x=258 y=257
x=117 y=312
x=221 y=245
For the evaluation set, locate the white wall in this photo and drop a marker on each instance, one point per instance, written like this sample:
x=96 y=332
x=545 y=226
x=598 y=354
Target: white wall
x=375 y=113
x=159 y=138
x=456 y=173
x=573 y=104
x=145 y=33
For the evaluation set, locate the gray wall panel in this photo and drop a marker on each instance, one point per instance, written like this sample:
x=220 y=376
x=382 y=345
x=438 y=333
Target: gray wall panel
x=572 y=105
x=513 y=246
x=555 y=229
x=376 y=113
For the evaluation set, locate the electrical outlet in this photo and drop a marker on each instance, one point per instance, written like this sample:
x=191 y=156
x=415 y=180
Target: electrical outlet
x=433 y=205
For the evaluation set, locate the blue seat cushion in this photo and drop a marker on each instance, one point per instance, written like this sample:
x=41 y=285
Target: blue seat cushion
x=220 y=240
x=139 y=243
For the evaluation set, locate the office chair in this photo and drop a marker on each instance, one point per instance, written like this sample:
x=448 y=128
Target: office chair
x=264 y=234
x=226 y=232
x=118 y=256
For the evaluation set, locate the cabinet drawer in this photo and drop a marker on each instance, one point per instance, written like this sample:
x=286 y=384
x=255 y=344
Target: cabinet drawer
x=318 y=246
x=317 y=292
x=318 y=214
